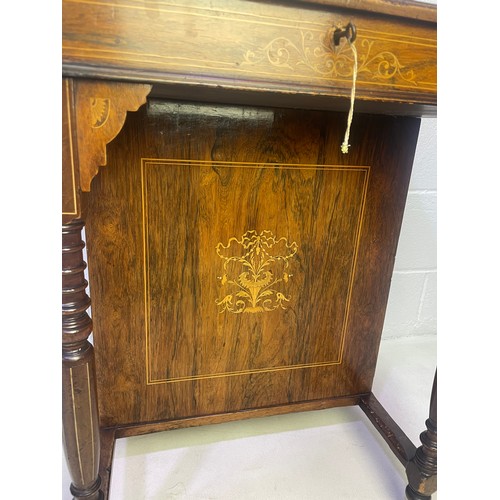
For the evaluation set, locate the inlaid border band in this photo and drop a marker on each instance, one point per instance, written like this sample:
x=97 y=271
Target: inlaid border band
x=71 y=152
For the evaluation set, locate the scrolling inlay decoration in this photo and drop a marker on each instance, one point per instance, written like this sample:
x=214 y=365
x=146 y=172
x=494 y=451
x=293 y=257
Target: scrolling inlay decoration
x=251 y=278
x=314 y=52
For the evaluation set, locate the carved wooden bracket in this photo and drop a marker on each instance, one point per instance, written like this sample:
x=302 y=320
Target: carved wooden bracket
x=93 y=114
x=101 y=108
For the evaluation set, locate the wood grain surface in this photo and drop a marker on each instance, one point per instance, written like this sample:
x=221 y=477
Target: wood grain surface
x=101 y=109
x=193 y=196
x=257 y=46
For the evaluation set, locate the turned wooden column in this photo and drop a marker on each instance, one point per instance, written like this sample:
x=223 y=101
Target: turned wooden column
x=422 y=468
x=79 y=399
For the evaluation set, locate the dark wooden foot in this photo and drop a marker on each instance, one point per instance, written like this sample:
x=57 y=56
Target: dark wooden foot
x=422 y=468
x=79 y=398
x=413 y=495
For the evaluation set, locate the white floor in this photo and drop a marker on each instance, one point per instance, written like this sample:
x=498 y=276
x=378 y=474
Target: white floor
x=328 y=454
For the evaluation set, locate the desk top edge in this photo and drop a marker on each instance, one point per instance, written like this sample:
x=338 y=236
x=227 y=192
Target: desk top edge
x=417 y=11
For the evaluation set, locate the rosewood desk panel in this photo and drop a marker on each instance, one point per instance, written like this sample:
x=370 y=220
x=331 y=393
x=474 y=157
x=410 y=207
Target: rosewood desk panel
x=238 y=260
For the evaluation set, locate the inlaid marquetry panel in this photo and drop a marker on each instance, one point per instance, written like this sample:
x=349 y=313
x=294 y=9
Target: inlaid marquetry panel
x=282 y=284
x=238 y=260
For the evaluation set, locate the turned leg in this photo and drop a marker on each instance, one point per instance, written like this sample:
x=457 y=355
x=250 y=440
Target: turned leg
x=79 y=399
x=422 y=468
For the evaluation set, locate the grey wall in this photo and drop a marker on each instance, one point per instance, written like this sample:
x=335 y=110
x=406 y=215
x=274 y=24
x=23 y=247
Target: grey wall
x=412 y=300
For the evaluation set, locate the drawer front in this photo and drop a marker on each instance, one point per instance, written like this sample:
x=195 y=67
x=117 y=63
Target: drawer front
x=251 y=46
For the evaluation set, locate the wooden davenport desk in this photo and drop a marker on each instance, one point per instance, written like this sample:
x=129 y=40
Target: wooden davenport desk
x=239 y=262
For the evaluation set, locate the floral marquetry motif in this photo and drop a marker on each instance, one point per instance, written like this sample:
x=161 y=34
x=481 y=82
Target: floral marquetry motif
x=383 y=65
x=313 y=52
x=255 y=272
